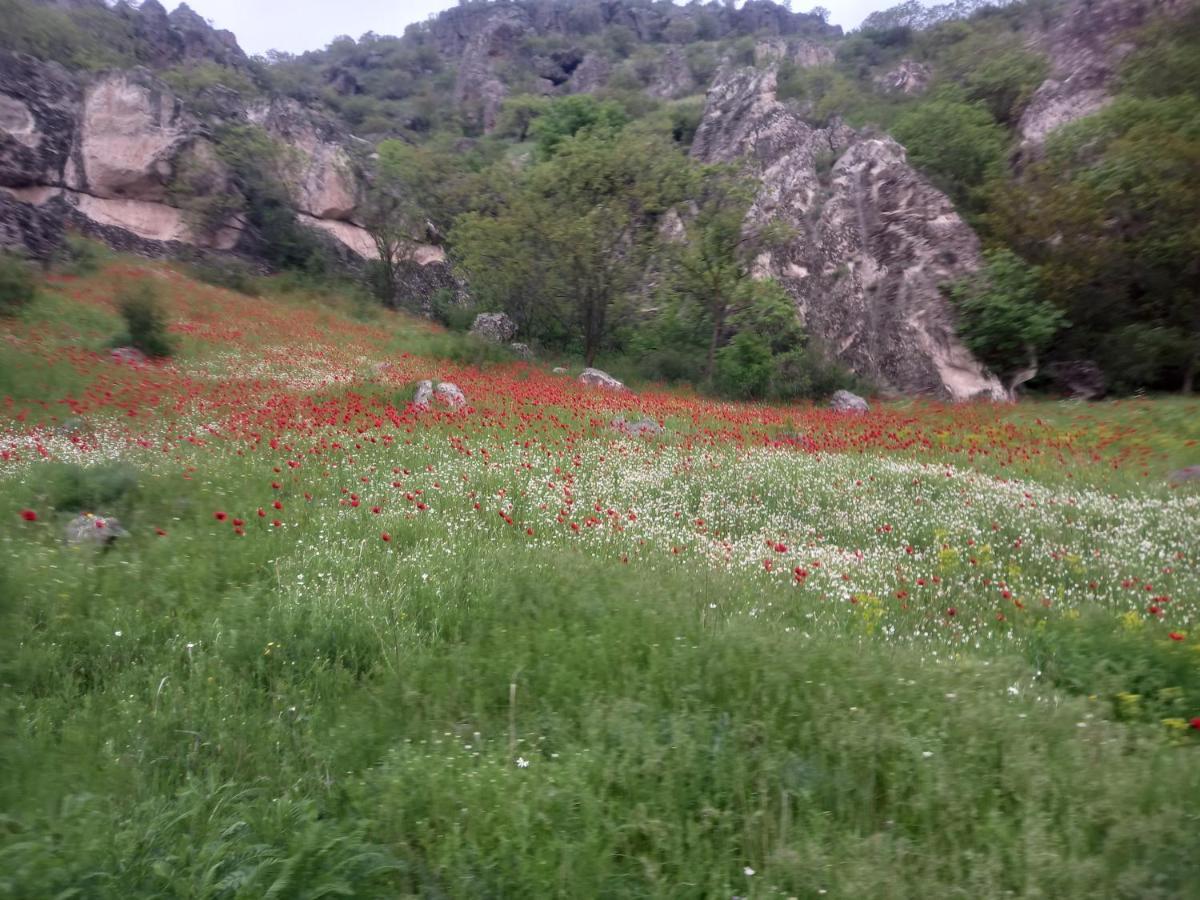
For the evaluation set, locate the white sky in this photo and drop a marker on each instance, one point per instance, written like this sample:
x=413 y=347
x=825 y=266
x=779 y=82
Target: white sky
x=298 y=25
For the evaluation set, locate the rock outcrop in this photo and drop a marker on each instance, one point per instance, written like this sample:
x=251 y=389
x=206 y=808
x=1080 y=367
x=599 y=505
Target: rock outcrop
x=1086 y=47
x=103 y=154
x=872 y=241
x=495 y=327
x=908 y=77
x=600 y=379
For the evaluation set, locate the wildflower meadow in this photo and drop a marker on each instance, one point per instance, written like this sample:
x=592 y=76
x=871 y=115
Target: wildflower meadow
x=354 y=647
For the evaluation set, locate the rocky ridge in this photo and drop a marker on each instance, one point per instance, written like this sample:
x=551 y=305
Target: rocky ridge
x=872 y=240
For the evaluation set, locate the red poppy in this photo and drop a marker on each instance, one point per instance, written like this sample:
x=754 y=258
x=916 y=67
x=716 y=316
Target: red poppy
x=1195 y=723
x=385 y=537
x=220 y=516
x=1176 y=636
x=952 y=611
x=160 y=532
x=29 y=515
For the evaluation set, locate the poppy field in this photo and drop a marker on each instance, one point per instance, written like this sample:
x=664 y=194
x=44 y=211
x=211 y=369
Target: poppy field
x=355 y=647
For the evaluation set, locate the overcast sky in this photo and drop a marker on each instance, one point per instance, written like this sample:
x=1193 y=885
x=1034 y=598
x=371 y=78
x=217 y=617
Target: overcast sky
x=297 y=25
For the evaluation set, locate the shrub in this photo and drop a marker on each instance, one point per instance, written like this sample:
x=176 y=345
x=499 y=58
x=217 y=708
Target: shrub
x=231 y=274
x=145 y=320
x=17 y=286
x=103 y=488
x=80 y=256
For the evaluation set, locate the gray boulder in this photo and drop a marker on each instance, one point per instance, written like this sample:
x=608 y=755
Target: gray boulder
x=496 y=327
x=640 y=428
x=424 y=393
x=1190 y=473
x=128 y=356
x=844 y=401
x=909 y=77
x=600 y=379
x=450 y=394
x=522 y=350
x=92 y=530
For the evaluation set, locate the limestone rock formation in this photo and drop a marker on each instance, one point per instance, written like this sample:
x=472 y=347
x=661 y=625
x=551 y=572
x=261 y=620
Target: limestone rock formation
x=478 y=86
x=496 y=327
x=102 y=154
x=674 y=77
x=92 y=530
x=872 y=242
x=908 y=77
x=845 y=401
x=600 y=379
x=804 y=53
x=1086 y=47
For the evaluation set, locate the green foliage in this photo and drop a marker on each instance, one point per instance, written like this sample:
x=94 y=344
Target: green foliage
x=1002 y=316
x=260 y=167
x=1108 y=214
x=82 y=37
x=567 y=116
x=230 y=273
x=451 y=312
x=569 y=241
x=17 y=285
x=200 y=85
x=518 y=114
x=80 y=256
x=106 y=489
x=955 y=141
x=145 y=320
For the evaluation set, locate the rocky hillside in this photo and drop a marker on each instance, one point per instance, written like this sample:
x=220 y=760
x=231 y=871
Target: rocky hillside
x=890 y=157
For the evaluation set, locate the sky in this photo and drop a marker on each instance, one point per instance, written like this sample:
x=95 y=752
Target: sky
x=298 y=25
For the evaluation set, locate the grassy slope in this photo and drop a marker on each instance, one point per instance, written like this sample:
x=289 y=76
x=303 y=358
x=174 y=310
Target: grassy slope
x=309 y=707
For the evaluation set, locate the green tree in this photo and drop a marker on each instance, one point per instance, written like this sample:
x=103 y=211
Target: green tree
x=1003 y=318
x=956 y=142
x=1112 y=213
x=571 y=240
x=568 y=116
x=393 y=214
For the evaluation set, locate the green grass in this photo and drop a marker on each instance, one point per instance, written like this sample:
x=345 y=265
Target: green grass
x=308 y=711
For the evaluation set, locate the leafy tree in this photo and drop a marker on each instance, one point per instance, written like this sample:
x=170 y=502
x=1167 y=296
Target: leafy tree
x=518 y=115
x=568 y=116
x=711 y=266
x=394 y=215
x=1003 y=319
x=1112 y=215
x=571 y=240
x=955 y=141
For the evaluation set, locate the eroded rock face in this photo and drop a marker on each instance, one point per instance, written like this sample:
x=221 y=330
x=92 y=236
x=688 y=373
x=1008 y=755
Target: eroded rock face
x=478 y=86
x=674 y=77
x=804 y=53
x=908 y=77
x=1086 y=47
x=131 y=128
x=103 y=153
x=323 y=180
x=38 y=107
x=873 y=240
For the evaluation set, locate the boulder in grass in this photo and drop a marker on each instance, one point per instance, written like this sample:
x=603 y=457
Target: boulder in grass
x=495 y=327
x=844 y=401
x=522 y=350
x=1190 y=473
x=450 y=394
x=640 y=428
x=424 y=393
x=128 y=356
x=92 y=530
x=559 y=370
x=597 y=378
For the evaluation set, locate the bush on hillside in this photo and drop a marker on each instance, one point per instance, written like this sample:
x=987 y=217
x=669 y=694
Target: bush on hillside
x=145 y=320
x=17 y=286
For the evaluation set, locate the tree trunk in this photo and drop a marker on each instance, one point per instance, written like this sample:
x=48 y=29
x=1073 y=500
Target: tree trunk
x=1021 y=376
x=718 y=329
x=1189 y=374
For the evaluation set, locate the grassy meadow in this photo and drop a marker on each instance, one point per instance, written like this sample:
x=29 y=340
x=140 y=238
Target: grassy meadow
x=355 y=648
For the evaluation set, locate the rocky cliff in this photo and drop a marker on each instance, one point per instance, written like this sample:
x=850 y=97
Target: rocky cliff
x=1085 y=47
x=103 y=154
x=871 y=242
